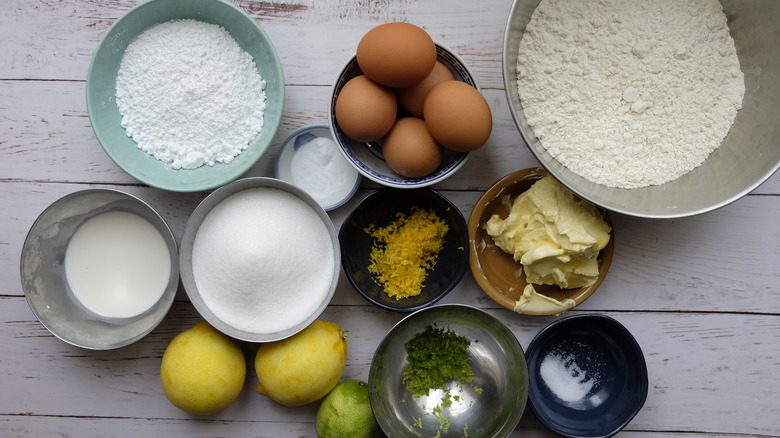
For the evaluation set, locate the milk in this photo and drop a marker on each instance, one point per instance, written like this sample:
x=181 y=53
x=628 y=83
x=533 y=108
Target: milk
x=117 y=264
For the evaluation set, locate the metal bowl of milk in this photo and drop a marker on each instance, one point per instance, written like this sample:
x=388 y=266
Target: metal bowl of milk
x=99 y=269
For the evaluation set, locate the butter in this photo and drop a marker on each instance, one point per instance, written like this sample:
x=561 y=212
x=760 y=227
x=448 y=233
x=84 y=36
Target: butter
x=533 y=301
x=556 y=237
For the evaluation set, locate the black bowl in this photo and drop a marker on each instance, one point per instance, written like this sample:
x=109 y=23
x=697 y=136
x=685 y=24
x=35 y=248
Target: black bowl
x=611 y=388
x=380 y=209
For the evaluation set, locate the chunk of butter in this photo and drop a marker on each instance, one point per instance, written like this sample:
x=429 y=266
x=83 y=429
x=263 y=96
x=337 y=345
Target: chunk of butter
x=556 y=237
x=533 y=301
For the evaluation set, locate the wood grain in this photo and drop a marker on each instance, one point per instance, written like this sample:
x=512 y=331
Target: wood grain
x=701 y=294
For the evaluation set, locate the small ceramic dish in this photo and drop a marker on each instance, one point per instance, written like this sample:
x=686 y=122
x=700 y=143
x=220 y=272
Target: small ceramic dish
x=380 y=209
x=47 y=287
x=491 y=405
x=497 y=273
x=310 y=159
x=587 y=376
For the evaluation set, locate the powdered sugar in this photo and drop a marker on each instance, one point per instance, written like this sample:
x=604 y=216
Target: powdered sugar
x=319 y=168
x=189 y=95
x=629 y=94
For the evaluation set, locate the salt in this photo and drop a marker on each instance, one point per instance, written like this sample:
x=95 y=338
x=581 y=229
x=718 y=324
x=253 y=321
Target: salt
x=263 y=260
x=564 y=377
x=318 y=167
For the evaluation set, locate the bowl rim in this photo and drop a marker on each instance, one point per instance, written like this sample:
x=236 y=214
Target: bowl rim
x=396 y=181
x=191 y=231
x=542 y=336
x=494 y=191
x=289 y=140
x=168 y=295
x=510 y=426
x=462 y=266
x=236 y=170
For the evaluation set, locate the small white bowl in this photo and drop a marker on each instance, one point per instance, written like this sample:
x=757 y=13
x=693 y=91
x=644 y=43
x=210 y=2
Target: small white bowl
x=328 y=178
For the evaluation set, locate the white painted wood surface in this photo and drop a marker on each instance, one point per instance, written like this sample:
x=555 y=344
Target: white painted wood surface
x=701 y=294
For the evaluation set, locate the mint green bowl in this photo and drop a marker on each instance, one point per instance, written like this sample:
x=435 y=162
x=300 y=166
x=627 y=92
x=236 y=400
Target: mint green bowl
x=101 y=89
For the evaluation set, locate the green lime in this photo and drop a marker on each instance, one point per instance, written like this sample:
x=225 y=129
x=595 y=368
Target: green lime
x=346 y=412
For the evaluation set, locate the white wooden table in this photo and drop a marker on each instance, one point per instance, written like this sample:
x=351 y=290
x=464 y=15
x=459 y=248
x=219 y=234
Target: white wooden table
x=701 y=294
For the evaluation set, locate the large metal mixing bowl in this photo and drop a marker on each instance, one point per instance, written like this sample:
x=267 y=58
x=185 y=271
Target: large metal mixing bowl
x=748 y=156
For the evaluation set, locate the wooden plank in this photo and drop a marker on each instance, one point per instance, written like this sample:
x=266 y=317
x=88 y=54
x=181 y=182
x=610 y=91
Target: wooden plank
x=701 y=294
x=90 y=427
x=314 y=39
x=723 y=261
x=702 y=367
x=50 y=138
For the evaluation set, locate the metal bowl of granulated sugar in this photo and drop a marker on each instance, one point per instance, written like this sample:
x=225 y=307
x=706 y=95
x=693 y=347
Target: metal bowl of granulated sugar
x=259 y=259
x=637 y=101
x=185 y=95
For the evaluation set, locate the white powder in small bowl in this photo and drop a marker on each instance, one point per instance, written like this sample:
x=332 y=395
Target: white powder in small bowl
x=263 y=260
x=189 y=95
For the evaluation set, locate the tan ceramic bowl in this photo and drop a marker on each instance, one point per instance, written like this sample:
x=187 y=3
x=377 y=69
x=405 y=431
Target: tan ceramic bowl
x=496 y=272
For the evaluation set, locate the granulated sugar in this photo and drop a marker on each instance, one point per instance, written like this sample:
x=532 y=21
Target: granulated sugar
x=189 y=95
x=629 y=94
x=263 y=260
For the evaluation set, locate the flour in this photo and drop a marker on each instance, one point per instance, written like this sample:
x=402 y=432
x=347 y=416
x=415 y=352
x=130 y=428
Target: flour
x=263 y=260
x=629 y=94
x=189 y=95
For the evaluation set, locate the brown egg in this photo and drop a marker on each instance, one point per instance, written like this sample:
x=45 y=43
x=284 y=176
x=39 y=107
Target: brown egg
x=396 y=54
x=411 y=98
x=365 y=110
x=457 y=116
x=410 y=150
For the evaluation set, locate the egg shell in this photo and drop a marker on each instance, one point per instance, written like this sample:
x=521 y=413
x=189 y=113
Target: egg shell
x=458 y=116
x=410 y=150
x=411 y=99
x=365 y=110
x=396 y=54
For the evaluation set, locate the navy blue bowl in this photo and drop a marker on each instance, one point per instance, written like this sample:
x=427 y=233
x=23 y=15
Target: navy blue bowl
x=380 y=208
x=587 y=376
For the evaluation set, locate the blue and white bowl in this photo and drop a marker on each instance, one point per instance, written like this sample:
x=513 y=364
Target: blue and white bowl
x=367 y=157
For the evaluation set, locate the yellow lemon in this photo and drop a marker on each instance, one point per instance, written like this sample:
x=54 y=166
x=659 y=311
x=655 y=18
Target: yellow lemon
x=202 y=370
x=304 y=367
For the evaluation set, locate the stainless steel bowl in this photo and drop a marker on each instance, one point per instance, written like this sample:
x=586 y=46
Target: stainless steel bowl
x=46 y=287
x=188 y=277
x=748 y=156
x=499 y=368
